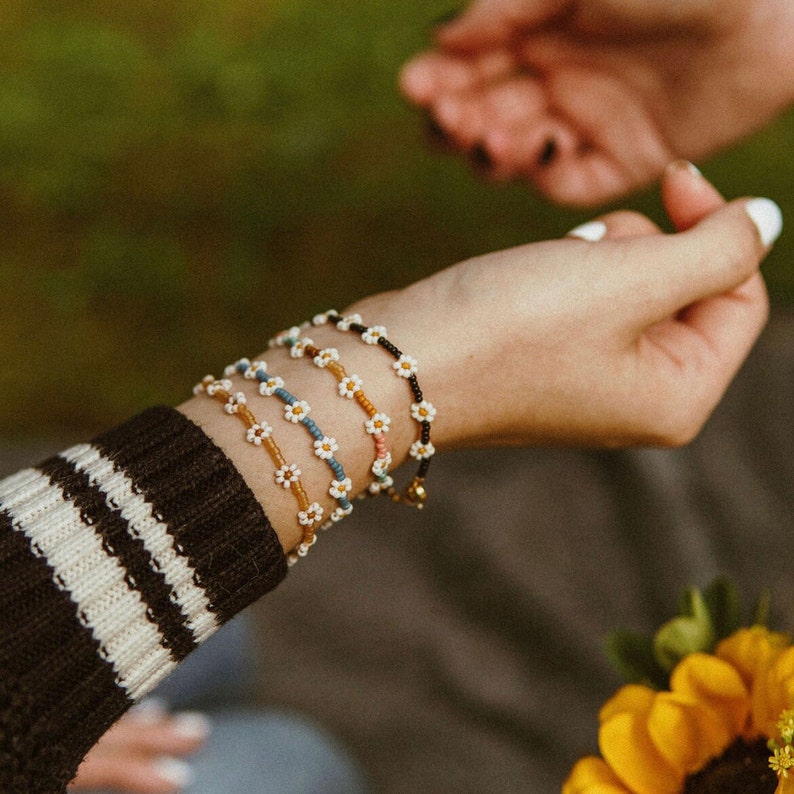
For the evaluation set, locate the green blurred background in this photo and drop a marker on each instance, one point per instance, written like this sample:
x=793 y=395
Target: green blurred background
x=167 y=168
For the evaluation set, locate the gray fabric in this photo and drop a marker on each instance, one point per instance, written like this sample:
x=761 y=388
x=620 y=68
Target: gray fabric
x=460 y=649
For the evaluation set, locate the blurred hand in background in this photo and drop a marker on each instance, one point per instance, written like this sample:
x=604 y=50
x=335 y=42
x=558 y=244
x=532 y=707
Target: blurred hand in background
x=590 y=99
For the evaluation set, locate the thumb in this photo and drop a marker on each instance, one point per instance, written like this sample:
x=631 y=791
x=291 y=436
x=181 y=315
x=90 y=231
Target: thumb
x=717 y=254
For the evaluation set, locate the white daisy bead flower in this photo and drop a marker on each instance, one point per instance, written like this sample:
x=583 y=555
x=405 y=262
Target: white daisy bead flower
x=349 y=385
x=297 y=411
x=232 y=369
x=268 y=387
x=380 y=466
x=252 y=368
x=298 y=350
x=303 y=548
x=340 y=489
x=212 y=388
x=234 y=402
x=405 y=366
x=379 y=423
x=373 y=333
x=322 y=318
x=281 y=338
x=421 y=451
x=287 y=474
x=257 y=433
x=313 y=514
x=326 y=356
x=381 y=485
x=340 y=512
x=423 y=411
x=325 y=447
x=202 y=387
x=347 y=320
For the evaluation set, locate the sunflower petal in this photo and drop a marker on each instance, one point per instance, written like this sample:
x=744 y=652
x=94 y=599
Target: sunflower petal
x=773 y=692
x=785 y=785
x=591 y=775
x=628 y=749
x=751 y=650
x=632 y=698
x=687 y=734
x=717 y=685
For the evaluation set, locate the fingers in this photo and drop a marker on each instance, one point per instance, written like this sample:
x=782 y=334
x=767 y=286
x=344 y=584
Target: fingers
x=427 y=77
x=687 y=195
x=690 y=360
x=135 y=774
x=142 y=753
x=722 y=250
x=180 y=734
x=487 y=23
x=691 y=304
x=730 y=323
x=660 y=276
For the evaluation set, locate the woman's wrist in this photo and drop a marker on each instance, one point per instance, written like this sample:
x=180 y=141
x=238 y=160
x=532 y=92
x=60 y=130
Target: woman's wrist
x=342 y=419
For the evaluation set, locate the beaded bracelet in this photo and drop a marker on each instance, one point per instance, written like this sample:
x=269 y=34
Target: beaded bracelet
x=422 y=411
x=297 y=411
x=350 y=387
x=259 y=434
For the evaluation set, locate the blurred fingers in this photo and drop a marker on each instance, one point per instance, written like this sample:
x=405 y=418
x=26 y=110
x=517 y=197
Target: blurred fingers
x=179 y=734
x=485 y=23
x=431 y=75
x=134 y=774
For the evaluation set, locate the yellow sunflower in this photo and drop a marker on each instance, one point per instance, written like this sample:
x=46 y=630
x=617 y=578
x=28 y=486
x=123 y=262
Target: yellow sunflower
x=714 y=730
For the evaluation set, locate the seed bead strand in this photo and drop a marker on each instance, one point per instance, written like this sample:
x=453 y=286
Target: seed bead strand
x=260 y=434
x=422 y=411
x=297 y=411
x=350 y=387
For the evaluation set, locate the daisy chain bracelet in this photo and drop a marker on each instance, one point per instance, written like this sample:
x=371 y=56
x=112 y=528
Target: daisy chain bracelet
x=352 y=388
x=422 y=411
x=297 y=411
x=260 y=434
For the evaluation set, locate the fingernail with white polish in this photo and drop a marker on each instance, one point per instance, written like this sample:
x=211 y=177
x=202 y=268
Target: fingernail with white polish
x=149 y=710
x=173 y=771
x=767 y=217
x=692 y=168
x=593 y=231
x=191 y=725
x=684 y=165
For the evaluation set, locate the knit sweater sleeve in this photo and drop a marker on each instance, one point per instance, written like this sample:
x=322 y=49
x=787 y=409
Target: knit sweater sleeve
x=117 y=559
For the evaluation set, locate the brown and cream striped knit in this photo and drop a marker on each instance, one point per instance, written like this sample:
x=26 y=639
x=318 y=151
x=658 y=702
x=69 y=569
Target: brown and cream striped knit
x=117 y=558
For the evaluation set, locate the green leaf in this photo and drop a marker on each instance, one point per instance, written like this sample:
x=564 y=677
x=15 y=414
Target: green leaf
x=689 y=633
x=724 y=606
x=632 y=656
x=762 y=607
